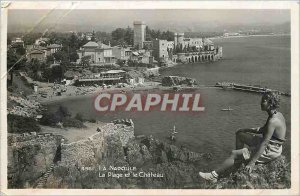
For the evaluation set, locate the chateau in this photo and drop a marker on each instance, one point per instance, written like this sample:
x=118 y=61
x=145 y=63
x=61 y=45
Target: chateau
x=182 y=49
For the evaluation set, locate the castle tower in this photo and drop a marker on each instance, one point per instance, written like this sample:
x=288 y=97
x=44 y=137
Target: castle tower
x=175 y=40
x=139 y=28
x=180 y=37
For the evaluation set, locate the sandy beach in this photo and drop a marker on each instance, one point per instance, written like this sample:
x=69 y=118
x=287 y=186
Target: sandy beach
x=72 y=91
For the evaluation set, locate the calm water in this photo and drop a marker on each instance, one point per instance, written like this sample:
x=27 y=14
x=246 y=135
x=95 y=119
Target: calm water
x=254 y=60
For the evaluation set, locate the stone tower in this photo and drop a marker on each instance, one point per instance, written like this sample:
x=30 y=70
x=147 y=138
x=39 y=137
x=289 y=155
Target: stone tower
x=180 y=37
x=139 y=28
x=175 y=40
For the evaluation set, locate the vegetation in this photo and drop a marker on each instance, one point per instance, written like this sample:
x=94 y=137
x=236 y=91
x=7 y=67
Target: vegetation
x=14 y=59
x=179 y=48
x=79 y=117
x=92 y=120
x=52 y=119
x=20 y=124
x=132 y=63
x=122 y=36
x=153 y=34
x=62 y=115
x=71 y=122
x=121 y=62
x=85 y=61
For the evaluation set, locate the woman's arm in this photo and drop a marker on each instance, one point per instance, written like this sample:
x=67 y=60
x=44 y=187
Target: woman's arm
x=256 y=130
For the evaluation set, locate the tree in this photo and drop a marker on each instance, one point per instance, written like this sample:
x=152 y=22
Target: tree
x=19 y=49
x=73 y=41
x=148 y=34
x=12 y=58
x=61 y=55
x=103 y=37
x=85 y=61
x=73 y=56
x=121 y=62
x=50 y=59
x=83 y=41
x=29 y=39
x=58 y=72
x=129 y=36
x=47 y=74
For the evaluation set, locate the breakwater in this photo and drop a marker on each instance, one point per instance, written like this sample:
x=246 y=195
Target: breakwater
x=248 y=88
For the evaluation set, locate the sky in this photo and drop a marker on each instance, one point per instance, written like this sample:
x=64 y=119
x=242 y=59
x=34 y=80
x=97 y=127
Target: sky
x=106 y=20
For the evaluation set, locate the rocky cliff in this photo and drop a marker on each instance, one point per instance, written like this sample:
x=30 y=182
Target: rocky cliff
x=114 y=158
x=275 y=175
x=177 y=80
x=29 y=157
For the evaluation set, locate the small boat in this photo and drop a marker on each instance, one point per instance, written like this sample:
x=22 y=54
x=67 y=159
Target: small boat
x=227 y=109
x=172 y=133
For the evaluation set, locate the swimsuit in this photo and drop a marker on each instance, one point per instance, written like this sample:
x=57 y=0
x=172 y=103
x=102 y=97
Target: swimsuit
x=271 y=152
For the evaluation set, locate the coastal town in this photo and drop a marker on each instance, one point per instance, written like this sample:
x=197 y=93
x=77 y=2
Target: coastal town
x=44 y=68
x=78 y=63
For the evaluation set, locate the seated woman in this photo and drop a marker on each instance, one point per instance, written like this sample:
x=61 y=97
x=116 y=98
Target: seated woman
x=264 y=143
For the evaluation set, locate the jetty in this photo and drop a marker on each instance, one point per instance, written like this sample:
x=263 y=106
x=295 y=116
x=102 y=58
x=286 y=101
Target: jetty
x=248 y=88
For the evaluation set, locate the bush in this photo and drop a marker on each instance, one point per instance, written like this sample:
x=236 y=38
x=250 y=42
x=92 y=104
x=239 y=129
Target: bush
x=71 y=122
x=63 y=111
x=20 y=124
x=51 y=119
x=92 y=120
x=79 y=117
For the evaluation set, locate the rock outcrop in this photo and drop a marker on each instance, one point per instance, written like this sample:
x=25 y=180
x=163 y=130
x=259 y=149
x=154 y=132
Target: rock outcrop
x=177 y=80
x=169 y=166
x=29 y=157
x=275 y=175
x=23 y=107
x=109 y=159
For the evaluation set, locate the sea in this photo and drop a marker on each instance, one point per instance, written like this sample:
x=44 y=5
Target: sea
x=257 y=60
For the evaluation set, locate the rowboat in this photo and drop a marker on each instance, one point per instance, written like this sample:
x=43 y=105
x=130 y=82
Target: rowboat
x=227 y=109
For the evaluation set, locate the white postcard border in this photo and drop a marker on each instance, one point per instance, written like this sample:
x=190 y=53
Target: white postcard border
x=293 y=6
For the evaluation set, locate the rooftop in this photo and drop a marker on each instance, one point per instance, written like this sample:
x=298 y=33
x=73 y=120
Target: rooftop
x=54 y=46
x=36 y=51
x=139 y=23
x=114 y=71
x=93 y=44
x=104 y=46
x=90 y=44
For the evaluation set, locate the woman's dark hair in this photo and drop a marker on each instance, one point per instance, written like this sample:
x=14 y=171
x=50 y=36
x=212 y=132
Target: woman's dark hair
x=273 y=98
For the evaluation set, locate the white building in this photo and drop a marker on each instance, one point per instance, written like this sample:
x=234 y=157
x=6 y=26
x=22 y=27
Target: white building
x=99 y=53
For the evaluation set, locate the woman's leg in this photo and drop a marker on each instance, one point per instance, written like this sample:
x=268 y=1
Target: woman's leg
x=230 y=161
x=243 y=137
x=224 y=167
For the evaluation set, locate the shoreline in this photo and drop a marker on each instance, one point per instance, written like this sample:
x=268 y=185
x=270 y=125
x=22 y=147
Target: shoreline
x=49 y=101
x=241 y=36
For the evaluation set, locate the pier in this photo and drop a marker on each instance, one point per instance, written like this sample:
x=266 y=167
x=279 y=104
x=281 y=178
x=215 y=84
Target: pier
x=248 y=88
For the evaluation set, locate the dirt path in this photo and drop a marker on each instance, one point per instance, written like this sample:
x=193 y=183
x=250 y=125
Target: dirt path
x=74 y=134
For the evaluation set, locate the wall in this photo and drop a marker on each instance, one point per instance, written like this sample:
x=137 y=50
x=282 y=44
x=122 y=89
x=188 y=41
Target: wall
x=160 y=49
x=98 y=146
